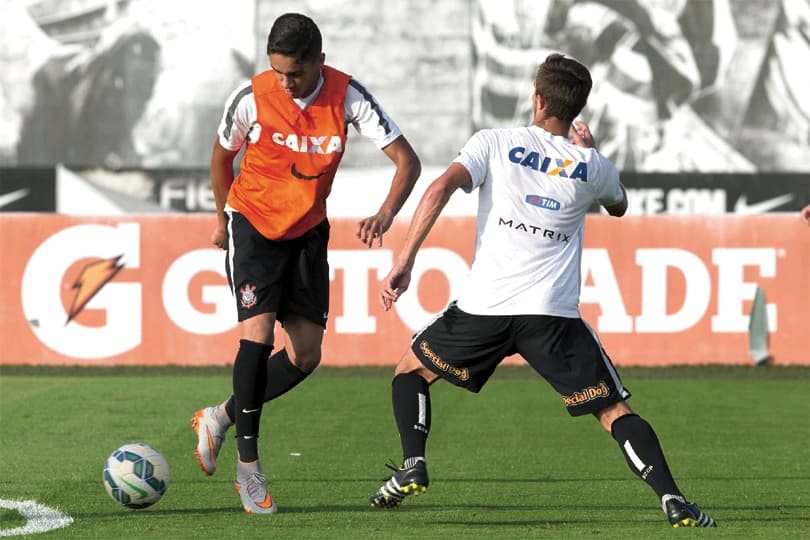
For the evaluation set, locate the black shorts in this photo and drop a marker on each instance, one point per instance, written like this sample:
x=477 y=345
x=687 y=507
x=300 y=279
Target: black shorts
x=278 y=276
x=465 y=349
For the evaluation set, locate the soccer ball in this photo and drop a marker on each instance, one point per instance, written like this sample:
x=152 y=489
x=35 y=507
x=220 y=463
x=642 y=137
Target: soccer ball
x=136 y=475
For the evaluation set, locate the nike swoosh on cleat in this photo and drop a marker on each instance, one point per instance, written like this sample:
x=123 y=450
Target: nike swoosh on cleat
x=743 y=208
x=268 y=501
x=210 y=442
x=8 y=198
x=297 y=174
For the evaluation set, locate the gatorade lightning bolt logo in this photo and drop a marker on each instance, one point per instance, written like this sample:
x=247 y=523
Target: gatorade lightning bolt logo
x=90 y=281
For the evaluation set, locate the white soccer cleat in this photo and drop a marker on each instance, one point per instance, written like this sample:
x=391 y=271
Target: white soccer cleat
x=210 y=424
x=252 y=489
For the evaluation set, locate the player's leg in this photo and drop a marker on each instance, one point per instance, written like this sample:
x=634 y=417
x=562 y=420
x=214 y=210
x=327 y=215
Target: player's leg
x=253 y=266
x=256 y=268
x=212 y=423
x=640 y=446
x=285 y=370
x=568 y=354
x=303 y=314
x=461 y=348
x=645 y=457
x=299 y=266
x=410 y=396
x=300 y=275
x=302 y=340
x=249 y=378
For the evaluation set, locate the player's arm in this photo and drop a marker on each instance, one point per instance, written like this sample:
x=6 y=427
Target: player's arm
x=580 y=134
x=221 y=180
x=620 y=207
x=238 y=116
x=430 y=206
x=367 y=116
x=407 y=171
x=805 y=213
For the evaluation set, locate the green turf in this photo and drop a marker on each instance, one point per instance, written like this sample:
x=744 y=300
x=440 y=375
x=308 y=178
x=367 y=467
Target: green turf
x=508 y=463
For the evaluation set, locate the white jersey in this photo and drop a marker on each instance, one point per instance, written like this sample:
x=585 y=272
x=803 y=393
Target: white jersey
x=534 y=191
x=360 y=109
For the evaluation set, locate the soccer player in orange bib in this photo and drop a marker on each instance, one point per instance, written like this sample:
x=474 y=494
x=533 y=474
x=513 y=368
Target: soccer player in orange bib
x=271 y=219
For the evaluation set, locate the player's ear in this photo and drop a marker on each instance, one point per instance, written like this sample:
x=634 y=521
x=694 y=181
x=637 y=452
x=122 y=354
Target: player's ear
x=539 y=102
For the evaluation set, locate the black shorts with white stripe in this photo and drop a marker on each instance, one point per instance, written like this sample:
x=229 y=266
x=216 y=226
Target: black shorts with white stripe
x=465 y=349
x=278 y=276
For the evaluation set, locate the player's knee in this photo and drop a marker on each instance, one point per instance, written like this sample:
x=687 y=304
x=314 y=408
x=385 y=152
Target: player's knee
x=259 y=329
x=306 y=361
x=611 y=413
x=409 y=363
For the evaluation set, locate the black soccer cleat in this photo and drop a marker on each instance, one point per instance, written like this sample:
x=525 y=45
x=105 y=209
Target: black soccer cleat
x=685 y=514
x=403 y=482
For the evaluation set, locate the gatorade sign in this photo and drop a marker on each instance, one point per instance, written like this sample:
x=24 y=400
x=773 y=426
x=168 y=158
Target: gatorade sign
x=660 y=290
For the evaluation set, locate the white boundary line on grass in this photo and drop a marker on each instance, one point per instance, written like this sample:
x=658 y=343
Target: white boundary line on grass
x=40 y=518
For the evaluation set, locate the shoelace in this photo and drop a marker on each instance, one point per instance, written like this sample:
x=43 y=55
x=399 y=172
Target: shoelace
x=255 y=485
x=393 y=466
x=389 y=488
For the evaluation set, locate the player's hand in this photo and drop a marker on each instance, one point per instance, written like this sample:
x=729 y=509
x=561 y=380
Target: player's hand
x=372 y=228
x=580 y=134
x=806 y=214
x=219 y=238
x=394 y=284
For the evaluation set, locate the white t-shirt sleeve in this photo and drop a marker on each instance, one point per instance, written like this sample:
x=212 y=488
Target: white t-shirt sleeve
x=474 y=157
x=609 y=191
x=238 y=117
x=367 y=116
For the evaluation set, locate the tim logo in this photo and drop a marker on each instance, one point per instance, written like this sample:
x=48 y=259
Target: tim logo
x=247 y=296
x=564 y=168
x=546 y=203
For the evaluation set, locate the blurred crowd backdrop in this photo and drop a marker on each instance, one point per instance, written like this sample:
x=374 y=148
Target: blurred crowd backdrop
x=681 y=87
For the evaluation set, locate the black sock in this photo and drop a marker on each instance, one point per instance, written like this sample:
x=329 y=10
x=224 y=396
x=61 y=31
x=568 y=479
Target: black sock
x=643 y=453
x=282 y=376
x=410 y=394
x=249 y=379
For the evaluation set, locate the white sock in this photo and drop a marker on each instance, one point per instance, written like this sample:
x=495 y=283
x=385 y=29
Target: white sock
x=411 y=461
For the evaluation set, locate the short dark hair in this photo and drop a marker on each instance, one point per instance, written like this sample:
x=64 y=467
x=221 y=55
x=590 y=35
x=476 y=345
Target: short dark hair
x=295 y=35
x=565 y=83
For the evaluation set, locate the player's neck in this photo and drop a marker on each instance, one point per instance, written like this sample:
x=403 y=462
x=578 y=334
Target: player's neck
x=553 y=125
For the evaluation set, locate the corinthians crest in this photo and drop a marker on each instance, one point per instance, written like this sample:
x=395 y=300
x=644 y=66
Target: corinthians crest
x=248 y=297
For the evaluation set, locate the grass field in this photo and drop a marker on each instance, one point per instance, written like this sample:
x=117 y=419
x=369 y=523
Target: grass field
x=508 y=463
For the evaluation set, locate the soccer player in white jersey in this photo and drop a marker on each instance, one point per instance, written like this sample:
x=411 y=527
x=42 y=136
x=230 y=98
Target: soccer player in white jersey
x=292 y=121
x=521 y=296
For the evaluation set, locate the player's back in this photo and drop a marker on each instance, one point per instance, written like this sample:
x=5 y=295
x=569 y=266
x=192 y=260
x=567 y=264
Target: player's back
x=534 y=192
